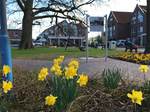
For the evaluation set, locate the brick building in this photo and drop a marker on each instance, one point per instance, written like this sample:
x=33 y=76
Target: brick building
x=124 y=25
x=14 y=36
x=138 y=25
x=119 y=25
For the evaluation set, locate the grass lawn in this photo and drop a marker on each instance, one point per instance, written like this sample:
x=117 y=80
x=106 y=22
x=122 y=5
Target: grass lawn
x=45 y=53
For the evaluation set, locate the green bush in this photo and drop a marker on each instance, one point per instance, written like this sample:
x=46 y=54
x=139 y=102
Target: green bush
x=111 y=78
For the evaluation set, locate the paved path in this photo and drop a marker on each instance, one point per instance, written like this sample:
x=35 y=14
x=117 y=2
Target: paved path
x=93 y=68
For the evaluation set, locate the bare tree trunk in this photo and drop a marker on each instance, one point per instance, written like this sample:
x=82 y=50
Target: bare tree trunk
x=147 y=47
x=66 y=46
x=26 y=39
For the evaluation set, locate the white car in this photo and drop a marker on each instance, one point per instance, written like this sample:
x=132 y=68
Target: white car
x=37 y=43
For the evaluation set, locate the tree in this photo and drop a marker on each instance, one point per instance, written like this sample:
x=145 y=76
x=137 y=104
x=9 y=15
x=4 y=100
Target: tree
x=99 y=39
x=39 y=9
x=147 y=47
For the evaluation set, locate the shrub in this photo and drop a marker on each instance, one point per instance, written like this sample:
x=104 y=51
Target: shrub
x=111 y=78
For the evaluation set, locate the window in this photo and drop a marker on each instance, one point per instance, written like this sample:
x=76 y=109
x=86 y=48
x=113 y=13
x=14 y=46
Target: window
x=114 y=27
x=133 y=30
x=141 y=29
x=140 y=17
x=15 y=33
x=110 y=31
x=133 y=19
x=111 y=19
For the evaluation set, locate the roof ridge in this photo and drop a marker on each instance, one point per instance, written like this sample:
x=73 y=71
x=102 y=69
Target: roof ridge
x=143 y=8
x=121 y=17
x=122 y=11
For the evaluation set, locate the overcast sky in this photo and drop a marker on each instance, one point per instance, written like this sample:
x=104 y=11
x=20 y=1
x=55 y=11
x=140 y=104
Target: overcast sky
x=115 y=5
x=92 y=10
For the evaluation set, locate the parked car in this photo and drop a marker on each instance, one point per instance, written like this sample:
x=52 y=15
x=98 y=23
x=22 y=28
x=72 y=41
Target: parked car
x=120 y=43
x=37 y=43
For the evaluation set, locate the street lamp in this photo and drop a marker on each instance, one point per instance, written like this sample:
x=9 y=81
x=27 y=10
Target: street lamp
x=4 y=42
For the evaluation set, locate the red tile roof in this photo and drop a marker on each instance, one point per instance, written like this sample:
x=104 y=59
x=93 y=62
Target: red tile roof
x=122 y=17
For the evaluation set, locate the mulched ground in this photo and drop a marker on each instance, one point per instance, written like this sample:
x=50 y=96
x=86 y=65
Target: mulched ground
x=30 y=93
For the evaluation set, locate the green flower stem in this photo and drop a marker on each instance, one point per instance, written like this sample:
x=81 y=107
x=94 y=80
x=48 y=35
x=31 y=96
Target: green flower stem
x=135 y=108
x=48 y=83
x=65 y=90
x=144 y=77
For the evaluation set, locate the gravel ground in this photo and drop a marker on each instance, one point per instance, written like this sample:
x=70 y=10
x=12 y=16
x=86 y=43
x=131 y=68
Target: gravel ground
x=93 y=68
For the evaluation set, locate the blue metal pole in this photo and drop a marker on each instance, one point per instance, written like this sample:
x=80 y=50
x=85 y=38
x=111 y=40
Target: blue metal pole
x=5 y=49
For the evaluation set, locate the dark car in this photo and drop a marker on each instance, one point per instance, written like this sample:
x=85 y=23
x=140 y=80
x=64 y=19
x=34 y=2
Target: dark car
x=131 y=46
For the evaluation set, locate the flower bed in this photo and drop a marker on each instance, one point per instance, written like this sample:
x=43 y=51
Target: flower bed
x=138 y=58
x=62 y=89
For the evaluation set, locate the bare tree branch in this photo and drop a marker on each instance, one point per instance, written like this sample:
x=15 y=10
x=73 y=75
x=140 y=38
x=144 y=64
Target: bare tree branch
x=10 y=2
x=21 y=4
x=67 y=8
x=40 y=9
x=57 y=16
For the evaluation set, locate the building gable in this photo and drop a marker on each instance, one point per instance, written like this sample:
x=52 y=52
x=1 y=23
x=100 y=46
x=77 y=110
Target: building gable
x=112 y=17
x=138 y=24
x=138 y=15
x=139 y=8
x=118 y=25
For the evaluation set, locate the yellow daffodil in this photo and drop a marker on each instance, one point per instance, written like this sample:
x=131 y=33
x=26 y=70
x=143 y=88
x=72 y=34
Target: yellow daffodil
x=74 y=63
x=134 y=56
x=83 y=79
x=143 y=68
x=70 y=72
x=56 y=69
x=61 y=57
x=7 y=86
x=58 y=60
x=55 y=61
x=136 y=97
x=6 y=69
x=43 y=74
x=50 y=100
